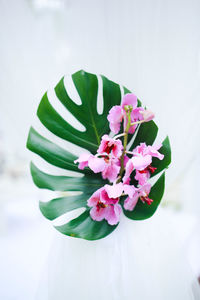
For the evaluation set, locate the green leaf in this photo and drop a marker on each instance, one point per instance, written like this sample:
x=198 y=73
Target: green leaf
x=56 y=124
x=95 y=124
x=87 y=184
x=86 y=113
x=144 y=211
x=52 y=153
x=84 y=227
x=59 y=206
x=162 y=164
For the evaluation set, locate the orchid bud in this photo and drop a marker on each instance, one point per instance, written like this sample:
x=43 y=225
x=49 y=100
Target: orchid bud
x=128 y=108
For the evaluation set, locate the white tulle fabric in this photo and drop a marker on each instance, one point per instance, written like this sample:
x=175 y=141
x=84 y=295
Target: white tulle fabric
x=139 y=261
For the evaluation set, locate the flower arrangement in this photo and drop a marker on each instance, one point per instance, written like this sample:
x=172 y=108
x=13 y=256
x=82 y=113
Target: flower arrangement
x=119 y=163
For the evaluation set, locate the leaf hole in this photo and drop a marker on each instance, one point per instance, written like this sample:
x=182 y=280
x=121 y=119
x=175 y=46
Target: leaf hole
x=68 y=216
x=71 y=90
x=63 y=112
x=75 y=149
x=100 y=96
x=122 y=92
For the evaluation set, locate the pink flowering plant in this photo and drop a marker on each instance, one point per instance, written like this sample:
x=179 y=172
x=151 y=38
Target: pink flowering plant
x=118 y=161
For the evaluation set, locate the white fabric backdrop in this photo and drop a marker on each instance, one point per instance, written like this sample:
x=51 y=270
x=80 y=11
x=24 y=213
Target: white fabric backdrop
x=152 y=47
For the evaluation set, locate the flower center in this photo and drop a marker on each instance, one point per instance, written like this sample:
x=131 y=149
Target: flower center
x=106 y=158
x=108 y=148
x=101 y=205
x=148 y=169
x=151 y=169
x=146 y=199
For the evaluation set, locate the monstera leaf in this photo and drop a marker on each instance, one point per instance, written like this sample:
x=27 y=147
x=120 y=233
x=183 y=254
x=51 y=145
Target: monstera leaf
x=96 y=125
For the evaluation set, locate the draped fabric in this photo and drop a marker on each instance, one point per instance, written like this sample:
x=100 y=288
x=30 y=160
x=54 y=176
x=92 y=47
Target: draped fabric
x=140 y=260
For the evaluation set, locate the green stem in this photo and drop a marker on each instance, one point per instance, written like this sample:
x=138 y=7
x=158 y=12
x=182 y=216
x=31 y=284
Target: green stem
x=125 y=145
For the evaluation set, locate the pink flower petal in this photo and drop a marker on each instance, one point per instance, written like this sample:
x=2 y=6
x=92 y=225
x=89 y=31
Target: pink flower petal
x=115 y=127
x=132 y=129
x=126 y=180
x=96 y=164
x=152 y=150
x=157 y=146
x=126 y=159
x=104 y=196
x=142 y=177
x=103 y=145
x=95 y=198
x=147 y=115
x=106 y=199
x=98 y=214
x=118 y=147
x=83 y=160
x=130 y=202
x=109 y=145
x=128 y=171
x=115 y=114
x=113 y=214
x=144 y=190
x=140 y=149
x=115 y=118
x=141 y=162
x=82 y=165
x=129 y=190
x=111 y=171
x=115 y=190
x=136 y=114
x=129 y=99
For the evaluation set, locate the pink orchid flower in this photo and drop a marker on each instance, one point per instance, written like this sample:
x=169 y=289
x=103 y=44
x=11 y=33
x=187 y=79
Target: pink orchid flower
x=130 y=202
x=110 y=146
x=117 y=189
x=142 y=193
x=104 y=207
x=153 y=151
x=83 y=160
x=143 y=150
x=111 y=169
x=118 y=113
x=141 y=161
x=115 y=118
x=137 y=114
x=143 y=175
x=109 y=166
x=88 y=160
x=147 y=115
